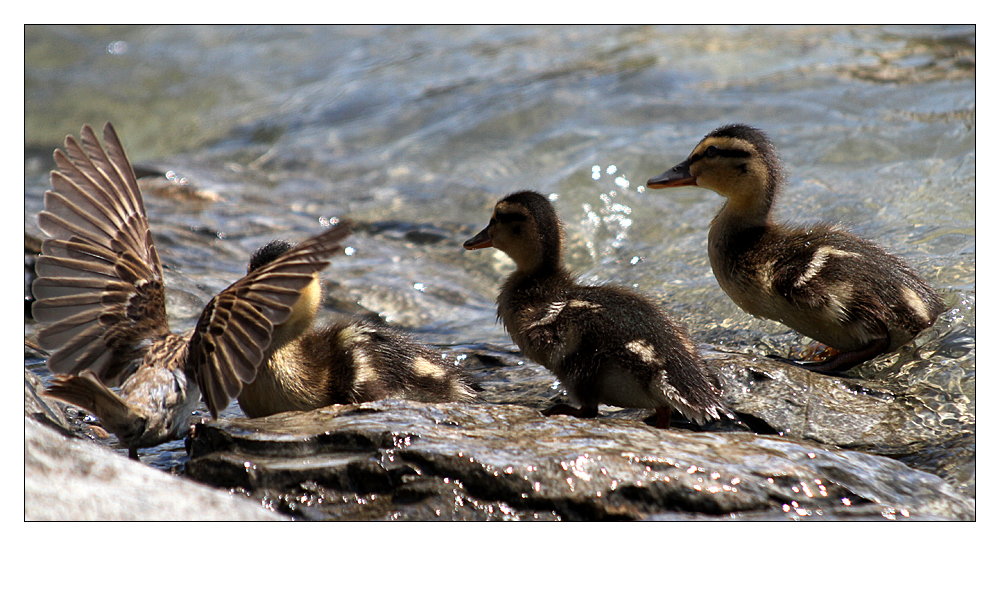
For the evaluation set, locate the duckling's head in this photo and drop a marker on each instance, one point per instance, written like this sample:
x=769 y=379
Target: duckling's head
x=524 y=225
x=305 y=309
x=736 y=161
x=267 y=254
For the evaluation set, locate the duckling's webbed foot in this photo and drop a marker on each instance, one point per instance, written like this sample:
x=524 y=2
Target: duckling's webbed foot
x=817 y=352
x=584 y=412
x=842 y=361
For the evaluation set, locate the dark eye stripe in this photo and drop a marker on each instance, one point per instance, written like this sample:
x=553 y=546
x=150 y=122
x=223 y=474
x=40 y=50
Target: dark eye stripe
x=511 y=217
x=726 y=153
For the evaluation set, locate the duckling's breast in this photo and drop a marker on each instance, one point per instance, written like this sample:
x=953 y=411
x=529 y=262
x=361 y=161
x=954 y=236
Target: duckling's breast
x=825 y=283
x=286 y=380
x=550 y=329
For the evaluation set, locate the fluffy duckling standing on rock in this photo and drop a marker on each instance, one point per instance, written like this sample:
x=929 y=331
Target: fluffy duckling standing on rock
x=101 y=296
x=345 y=362
x=821 y=281
x=606 y=344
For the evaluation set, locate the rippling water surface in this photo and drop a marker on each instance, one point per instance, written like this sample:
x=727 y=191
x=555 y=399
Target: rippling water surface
x=415 y=132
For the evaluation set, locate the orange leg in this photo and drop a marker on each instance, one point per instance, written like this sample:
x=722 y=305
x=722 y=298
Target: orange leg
x=837 y=361
x=818 y=351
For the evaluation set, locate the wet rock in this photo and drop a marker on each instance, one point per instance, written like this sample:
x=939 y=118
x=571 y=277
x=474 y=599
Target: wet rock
x=933 y=434
x=68 y=479
x=417 y=233
x=171 y=187
x=42 y=408
x=850 y=413
x=398 y=459
x=32 y=248
x=833 y=410
x=953 y=460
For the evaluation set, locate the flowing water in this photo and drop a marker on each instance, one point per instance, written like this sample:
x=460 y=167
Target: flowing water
x=415 y=132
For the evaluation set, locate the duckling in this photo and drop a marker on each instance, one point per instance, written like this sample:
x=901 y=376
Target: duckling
x=100 y=295
x=344 y=362
x=830 y=285
x=606 y=344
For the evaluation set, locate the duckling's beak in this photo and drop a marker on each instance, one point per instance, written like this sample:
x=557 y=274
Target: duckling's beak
x=676 y=177
x=480 y=240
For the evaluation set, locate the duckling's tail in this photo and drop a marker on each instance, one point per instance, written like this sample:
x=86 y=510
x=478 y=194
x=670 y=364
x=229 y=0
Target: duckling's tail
x=702 y=402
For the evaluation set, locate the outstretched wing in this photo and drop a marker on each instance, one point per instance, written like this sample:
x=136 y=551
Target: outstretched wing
x=234 y=330
x=100 y=284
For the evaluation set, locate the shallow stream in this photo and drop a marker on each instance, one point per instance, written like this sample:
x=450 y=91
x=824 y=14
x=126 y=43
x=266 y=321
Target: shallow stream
x=415 y=132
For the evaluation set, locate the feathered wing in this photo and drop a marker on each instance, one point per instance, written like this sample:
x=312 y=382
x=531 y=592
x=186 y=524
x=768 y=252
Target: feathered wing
x=234 y=330
x=100 y=284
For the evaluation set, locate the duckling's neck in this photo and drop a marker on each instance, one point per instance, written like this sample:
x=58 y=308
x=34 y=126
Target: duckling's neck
x=540 y=275
x=523 y=286
x=735 y=232
x=740 y=214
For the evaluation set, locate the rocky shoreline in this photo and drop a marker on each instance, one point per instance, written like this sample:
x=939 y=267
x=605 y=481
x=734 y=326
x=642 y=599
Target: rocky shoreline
x=805 y=447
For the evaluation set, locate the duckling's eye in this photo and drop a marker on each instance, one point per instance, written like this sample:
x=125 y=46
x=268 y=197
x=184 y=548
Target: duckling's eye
x=510 y=218
x=711 y=152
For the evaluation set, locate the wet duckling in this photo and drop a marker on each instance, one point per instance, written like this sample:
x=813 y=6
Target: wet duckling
x=100 y=294
x=607 y=345
x=345 y=362
x=821 y=281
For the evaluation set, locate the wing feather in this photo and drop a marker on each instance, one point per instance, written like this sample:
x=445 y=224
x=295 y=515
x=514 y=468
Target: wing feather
x=100 y=287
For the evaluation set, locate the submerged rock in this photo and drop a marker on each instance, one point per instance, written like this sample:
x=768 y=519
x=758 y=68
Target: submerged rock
x=399 y=459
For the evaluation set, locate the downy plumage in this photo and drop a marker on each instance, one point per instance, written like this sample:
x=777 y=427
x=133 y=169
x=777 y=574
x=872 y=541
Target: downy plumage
x=820 y=280
x=345 y=362
x=606 y=344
